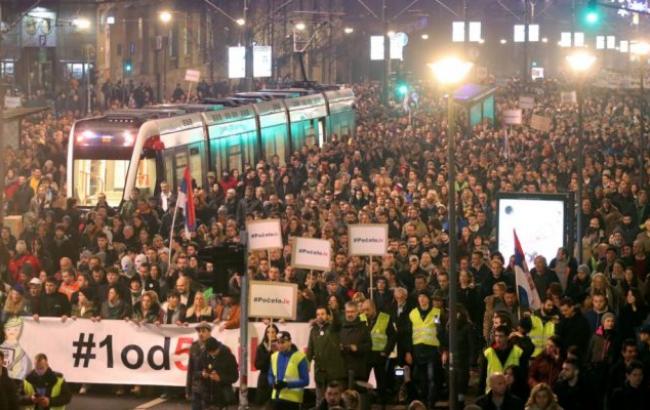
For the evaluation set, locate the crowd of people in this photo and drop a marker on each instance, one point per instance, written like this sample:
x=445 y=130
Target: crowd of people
x=586 y=347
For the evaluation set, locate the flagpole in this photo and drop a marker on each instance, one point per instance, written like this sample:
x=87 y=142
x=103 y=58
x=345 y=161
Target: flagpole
x=171 y=235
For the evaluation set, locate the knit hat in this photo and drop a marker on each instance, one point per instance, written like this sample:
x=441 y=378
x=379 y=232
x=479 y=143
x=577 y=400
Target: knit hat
x=607 y=316
x=584 y=268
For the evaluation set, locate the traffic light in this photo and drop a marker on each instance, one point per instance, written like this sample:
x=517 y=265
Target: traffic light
x=402 y=89
x=127 y=66
x=591 y=14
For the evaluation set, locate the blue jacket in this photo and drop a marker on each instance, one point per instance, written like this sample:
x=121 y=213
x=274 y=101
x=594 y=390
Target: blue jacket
x=303 y=370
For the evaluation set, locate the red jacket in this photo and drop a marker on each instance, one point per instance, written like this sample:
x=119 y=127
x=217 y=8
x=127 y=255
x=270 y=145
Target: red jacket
x=16 y=264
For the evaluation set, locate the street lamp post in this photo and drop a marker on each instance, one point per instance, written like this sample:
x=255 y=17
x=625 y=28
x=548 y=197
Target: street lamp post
x=641 y=49
x=580 y=63
x=165 y=18
x=451 y=72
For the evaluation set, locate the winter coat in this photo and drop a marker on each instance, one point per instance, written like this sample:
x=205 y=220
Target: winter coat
x=225 y=365
x=324 y=348
x=356 y=333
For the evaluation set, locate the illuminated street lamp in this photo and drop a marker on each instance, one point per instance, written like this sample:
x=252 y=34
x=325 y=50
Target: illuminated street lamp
x=390 y=33
x=300 y=26
x=425 y=36
x=503 y=41
x=580 y=62
x=641 y=49
x=165 y=16
x=544 y=40
x=348 y=30
x=450 y=73
x=240 y=22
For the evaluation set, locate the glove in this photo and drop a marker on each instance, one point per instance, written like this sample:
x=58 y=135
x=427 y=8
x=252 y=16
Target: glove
x=280 y=385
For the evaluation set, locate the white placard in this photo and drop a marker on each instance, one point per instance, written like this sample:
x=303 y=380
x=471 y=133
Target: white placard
x=527 y=102
x=262 y=61
x=192 y=76
x=115 y=342
x=277 y=300
x=310 y=253
x=512 y=117
x=12 y=102
x=236 y=62
x=376 y=48
x=264 y=234
x=537 y=72
x=368 y=239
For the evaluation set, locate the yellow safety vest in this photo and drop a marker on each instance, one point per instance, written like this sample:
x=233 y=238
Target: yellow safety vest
x=540 y=333
x=378 y=331
x=494 y=364
x=56 y=391
x=291 y=374
x=424 y=331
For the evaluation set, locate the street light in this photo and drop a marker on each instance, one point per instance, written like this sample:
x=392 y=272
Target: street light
x=451 y=72
x=425 y=36
x=240 y=22
x=503 y=41
x=165 y=16
x=544 y=40
x=390 y=33
x=348 y=30
x=580 y=63
x=641 y=49
x=300 y=26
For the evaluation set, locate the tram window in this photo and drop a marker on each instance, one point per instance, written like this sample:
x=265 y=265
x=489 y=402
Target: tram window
x=234 y=156
x=196 y=167
x=93 y=177
x=169 y=170
x=310 y=133
x=181 y=163
x=321 y=133
x=275 y=145
x=145 y=178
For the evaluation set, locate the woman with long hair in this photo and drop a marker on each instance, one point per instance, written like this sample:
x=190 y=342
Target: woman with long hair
x=14 y=305
x=633 y=313
x=263 y=363
x=542 y=398
x=200 y=311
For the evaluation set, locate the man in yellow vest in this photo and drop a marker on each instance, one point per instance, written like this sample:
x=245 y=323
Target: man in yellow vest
x=543 y=321
x=423 y=353
x=44 y=388
x=499 y=356
x=383 y=335
x=289 y=374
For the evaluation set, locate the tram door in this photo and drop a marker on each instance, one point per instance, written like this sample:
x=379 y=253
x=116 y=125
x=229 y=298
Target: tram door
x=178 y=158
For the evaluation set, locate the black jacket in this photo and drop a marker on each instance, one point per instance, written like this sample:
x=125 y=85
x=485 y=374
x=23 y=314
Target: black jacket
x=510 y=402
x=54 y=305
x=574 y=331
x=8 y=395
x=629 y=398
x=356 y=333
x=225 y=365
x=576 y=397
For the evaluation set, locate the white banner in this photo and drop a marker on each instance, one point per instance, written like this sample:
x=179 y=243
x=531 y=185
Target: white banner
x=119 y=352
x=568 y=97
x=368 y=239
x=276 y=300
x=512 y=117
x=309 y=253
x=236 y=62
x=264 y=234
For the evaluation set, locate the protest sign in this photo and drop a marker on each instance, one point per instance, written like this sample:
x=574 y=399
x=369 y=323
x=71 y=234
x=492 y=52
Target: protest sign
x=541 y=123
x=276 y=300
x=512 y=117
x=264 y=234
x=309 y=253
x=527 y=102
x=368 y=239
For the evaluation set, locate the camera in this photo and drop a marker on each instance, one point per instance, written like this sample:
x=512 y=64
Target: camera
x=399 y=372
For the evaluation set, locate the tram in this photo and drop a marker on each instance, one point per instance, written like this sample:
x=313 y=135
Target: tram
x=112 y=154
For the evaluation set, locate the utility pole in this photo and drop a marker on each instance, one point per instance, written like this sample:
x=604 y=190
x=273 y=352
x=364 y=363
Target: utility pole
x=573 y=23
x=2 y=129
x=524 y=72
x=248 y=44
x=386 y=71
x=465 y=29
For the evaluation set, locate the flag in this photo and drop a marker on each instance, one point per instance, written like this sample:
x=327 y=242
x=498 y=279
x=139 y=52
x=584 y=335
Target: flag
x=528 y=295
x=185 y=200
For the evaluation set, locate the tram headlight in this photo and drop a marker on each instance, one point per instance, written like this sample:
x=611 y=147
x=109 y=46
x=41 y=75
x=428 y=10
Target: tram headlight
x=85 y=135
x=128 y=138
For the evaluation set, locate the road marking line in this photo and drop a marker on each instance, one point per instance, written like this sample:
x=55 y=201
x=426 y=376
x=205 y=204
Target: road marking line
x=150 y=404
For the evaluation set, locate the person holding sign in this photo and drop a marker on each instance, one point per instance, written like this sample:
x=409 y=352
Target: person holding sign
x=289 y=374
